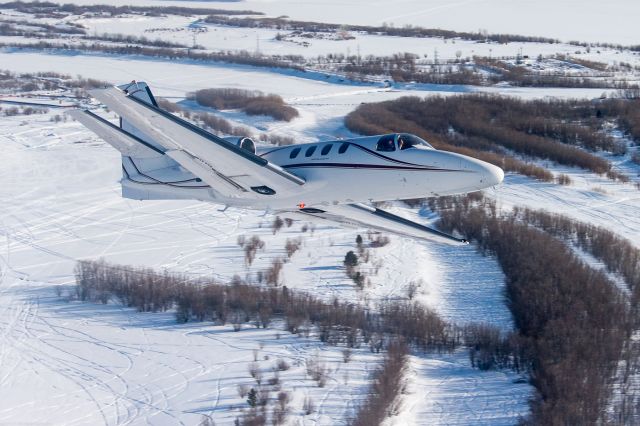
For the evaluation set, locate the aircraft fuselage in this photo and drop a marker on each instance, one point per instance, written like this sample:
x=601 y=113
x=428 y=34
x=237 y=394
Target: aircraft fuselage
x=348 y=171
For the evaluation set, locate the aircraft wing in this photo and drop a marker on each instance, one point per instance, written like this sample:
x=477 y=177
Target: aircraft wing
x=204 y=154
x=363 y=216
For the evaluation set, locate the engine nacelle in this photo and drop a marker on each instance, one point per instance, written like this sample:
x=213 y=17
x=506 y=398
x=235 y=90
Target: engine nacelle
x=243 y=142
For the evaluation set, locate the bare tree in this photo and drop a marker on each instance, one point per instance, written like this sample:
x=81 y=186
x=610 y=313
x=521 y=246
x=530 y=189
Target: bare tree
x=251 y=247
x=277 y=225
x=412 y=288
x=282 y=365
x=255 y=372
x=272 y=275
x=309 y=407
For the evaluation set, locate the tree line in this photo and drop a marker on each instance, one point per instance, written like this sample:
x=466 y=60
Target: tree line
x=387 y=384
x=572 y=321
x=240 y=303
x=47 y=8
x=517 y=75
x=620 y=257
x=492 y=127
x=28 y=82
x=252 y=102
x=282 y=23
x=235 y=57
x=617 y=253
x=45 y=31
x=479 y=71
x=395 y=327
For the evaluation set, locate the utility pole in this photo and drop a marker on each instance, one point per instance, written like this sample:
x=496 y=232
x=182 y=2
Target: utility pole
x=519 y=57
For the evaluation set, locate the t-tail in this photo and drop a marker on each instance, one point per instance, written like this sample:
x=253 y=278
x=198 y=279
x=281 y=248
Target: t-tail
x=147 y=172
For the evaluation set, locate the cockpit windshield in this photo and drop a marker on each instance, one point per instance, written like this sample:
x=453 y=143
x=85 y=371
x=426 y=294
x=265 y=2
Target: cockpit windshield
x=386 y=143
x=403 y=141
x=407 y=140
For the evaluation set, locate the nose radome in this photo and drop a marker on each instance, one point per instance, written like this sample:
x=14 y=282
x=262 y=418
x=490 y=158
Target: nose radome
x=493 y=174
x=490 y=175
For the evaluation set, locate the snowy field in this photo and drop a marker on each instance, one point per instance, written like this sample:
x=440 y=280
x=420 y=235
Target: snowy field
x=64 y=362
x=588 y=20
x=61 y=203
x=179 y=29
x=187 y=30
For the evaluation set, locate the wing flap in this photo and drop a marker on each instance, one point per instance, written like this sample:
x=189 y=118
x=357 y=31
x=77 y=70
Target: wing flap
x=216 y=180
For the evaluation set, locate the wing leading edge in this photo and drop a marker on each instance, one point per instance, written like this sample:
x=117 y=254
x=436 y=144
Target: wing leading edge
x=360 y=215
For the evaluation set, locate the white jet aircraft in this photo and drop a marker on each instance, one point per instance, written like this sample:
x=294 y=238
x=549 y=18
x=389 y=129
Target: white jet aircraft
x=165 y=157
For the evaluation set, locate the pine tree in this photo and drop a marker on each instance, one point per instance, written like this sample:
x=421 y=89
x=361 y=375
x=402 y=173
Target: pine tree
x=252 y=398
x=350 y=260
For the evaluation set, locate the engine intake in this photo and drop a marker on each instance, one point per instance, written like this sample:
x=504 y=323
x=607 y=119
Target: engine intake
x=242 y=142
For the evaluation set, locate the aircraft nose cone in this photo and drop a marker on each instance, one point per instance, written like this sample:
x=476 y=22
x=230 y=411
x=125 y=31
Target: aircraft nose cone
x=488 y=174
x=493 y=175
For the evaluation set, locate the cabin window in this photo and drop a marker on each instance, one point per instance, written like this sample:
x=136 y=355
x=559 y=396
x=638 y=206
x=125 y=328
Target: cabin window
x=386 y=143
x=326 y=149
x=294 y=153
x=343 y=148
x=406 y=141
x=310 y=151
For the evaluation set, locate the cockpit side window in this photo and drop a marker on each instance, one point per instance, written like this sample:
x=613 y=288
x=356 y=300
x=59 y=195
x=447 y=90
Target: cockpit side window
x=310 y=151
x=386 y=143
x=294 y=153
x=326 y=149
x=343 y=148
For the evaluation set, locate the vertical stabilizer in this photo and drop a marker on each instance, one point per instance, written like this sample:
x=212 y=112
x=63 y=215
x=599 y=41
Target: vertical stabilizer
x=139 y=90
x=148 y=173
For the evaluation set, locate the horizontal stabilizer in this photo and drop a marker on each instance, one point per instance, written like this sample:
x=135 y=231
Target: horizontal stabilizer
x=148 y=171
x=128 y=144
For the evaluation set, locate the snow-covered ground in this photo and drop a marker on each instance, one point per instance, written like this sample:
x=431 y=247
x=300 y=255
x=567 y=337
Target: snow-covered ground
x=180 y=29
x=65 y=362
x=187 y=30
x=103 y=364
x=441 y=390
x=588 y=20
x=82 y=364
